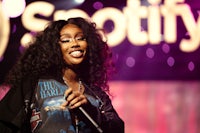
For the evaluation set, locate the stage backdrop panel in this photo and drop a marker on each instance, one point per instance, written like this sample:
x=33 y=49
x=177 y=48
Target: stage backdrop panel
x=150 y=40
x=158 y=106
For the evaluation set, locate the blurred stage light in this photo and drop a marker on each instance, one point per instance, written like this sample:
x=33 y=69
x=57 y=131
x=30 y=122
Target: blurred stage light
x=13 y=8
x=171 y=61
x=98 y=5
x=79 y=1
x=191 y=66
x=66 y=4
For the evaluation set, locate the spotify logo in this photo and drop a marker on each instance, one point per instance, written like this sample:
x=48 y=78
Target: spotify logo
x=4 y=31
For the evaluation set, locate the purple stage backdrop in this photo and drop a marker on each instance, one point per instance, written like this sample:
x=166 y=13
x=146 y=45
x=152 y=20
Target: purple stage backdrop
x=147 y=38
x=155 y=45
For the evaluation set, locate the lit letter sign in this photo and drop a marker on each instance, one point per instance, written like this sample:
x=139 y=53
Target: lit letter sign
x=4 y=31
x=127 y=23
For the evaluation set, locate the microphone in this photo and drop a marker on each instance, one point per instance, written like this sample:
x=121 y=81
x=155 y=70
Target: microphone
x=98 y=128
x=91 y=120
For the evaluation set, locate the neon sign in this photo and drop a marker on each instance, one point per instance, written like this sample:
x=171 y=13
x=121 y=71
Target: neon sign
x=127 y=22
x=4 y=31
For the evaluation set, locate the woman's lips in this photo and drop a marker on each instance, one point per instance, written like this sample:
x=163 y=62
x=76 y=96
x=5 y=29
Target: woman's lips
x=76 y=54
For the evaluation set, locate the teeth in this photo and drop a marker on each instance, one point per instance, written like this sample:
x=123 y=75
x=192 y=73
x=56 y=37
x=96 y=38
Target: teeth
x=76 y=53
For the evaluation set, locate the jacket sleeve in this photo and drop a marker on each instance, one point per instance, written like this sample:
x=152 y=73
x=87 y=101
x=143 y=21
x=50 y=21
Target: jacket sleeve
x=111 y=122
x=12 y=108
x=11 y=111
x=106 y=116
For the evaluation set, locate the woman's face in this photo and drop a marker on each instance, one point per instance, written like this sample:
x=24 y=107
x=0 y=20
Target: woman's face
x=73 y=44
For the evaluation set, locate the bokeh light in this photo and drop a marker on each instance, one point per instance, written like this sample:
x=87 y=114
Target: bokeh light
x=170 y=61
x=150 y=53
x=98 y=5
x=13 y=8
x=165 y=48
x=130 y=61
x=191 y=66
x=79 y=1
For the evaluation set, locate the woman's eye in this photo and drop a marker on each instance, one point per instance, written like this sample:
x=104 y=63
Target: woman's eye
x=69 y=40
x=65 y=40
x=81 y=38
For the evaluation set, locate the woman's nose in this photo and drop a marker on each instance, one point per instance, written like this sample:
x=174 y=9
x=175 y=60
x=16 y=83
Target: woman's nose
x=75 y=44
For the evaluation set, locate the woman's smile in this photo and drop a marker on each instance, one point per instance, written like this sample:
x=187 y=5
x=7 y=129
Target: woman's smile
x=73 y=44
x=76 y=53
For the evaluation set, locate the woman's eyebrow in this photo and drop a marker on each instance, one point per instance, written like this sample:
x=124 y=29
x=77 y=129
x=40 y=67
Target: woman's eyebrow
x=65 y=34
x=69 y=35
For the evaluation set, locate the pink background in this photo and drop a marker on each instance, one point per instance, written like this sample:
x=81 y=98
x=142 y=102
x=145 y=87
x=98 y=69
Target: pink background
x=158 y=106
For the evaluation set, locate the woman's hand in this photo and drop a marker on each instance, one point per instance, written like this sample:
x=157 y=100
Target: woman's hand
x=74 y=99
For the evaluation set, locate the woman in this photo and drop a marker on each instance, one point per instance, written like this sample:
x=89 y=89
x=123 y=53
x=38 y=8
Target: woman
x=59 y=85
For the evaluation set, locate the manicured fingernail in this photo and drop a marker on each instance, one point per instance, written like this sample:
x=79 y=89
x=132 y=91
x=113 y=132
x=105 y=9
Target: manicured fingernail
x=64 y=96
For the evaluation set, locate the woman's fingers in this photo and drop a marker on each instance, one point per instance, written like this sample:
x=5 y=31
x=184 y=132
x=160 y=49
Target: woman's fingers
x=78 y=101
x=64 y=104
x=67 y=93
x=74 y=99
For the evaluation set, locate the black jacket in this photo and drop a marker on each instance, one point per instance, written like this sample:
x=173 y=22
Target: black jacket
x=15 y=119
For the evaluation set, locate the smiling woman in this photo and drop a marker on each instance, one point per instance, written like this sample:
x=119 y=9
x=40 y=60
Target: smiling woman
x=73 y=44
x=60 y=83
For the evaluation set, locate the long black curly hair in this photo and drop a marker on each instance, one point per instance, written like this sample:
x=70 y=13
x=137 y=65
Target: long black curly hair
x=44 y=56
